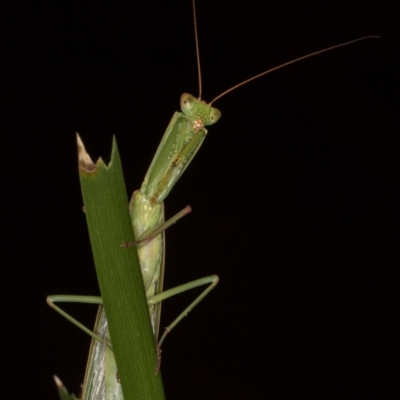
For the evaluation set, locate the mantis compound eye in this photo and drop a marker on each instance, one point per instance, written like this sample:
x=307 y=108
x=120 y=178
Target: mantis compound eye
x=187 y=102
x=215 y=115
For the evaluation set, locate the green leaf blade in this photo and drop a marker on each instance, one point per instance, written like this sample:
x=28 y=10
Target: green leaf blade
x=119 y=275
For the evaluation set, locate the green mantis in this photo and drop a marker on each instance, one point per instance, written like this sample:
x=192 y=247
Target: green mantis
x=180 y=143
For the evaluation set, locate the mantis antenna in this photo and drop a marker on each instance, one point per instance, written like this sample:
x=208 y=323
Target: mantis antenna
x=196 y=36
x=262 y=73
x=288 y=63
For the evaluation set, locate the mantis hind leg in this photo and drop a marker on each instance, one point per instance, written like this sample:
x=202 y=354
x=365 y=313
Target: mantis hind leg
x=212 y=281
x=51 y=300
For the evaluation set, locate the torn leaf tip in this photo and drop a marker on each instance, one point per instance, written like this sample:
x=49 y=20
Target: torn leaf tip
x=85 y=162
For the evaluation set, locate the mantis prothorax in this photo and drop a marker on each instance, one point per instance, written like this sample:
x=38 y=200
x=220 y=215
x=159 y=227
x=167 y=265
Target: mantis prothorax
x=180 y=143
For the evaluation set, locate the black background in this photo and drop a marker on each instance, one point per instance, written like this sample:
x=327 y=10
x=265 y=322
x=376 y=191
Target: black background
x=295 y=192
